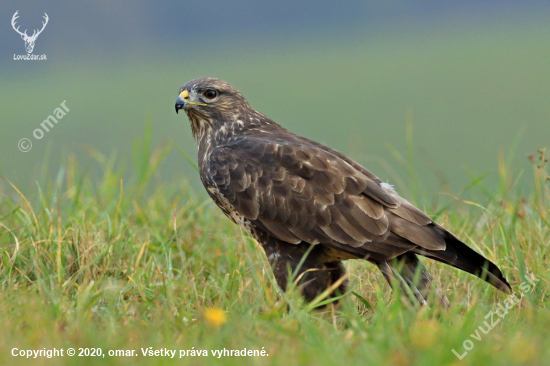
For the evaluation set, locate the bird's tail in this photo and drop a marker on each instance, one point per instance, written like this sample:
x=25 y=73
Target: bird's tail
x=461 y=256
x=414 y=279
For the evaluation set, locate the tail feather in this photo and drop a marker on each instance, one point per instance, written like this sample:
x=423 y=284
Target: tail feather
x=461 y=256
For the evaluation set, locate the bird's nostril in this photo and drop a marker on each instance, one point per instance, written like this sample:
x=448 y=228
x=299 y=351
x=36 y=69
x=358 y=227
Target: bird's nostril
x=185 y=94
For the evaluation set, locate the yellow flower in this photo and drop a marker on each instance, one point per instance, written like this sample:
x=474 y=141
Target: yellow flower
x=215 y=316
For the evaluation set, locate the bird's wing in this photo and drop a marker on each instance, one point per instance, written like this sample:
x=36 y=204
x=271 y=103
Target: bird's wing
x=301 y=192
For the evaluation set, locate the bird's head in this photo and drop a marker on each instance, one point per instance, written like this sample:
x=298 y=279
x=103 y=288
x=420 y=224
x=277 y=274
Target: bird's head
x=211 y=102
x=210 y=98
x=214 y=105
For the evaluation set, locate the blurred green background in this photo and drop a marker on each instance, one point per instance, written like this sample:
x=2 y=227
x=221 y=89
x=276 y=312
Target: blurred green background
x=471 y=78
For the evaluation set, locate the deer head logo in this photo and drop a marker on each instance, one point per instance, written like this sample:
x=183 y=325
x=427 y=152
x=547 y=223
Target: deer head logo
x=29 y=40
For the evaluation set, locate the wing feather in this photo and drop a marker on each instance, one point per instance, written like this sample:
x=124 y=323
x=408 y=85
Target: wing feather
x=302 y=192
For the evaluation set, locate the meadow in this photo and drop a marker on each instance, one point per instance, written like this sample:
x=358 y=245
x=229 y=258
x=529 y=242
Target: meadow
x=134 y=263
x=109 y=244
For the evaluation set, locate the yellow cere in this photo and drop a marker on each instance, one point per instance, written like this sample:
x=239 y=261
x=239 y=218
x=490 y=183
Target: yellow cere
x=185 y=95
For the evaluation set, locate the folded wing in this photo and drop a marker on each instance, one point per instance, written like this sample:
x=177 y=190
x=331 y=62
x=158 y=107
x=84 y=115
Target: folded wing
x=300 y=192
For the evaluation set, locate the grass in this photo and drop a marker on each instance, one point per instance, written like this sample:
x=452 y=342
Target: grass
x=130 y=261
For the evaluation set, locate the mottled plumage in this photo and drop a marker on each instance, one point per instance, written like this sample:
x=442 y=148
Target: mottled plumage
x=289 y=192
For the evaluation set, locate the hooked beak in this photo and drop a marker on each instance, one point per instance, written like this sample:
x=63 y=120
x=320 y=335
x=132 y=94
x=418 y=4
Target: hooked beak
x=183 y=101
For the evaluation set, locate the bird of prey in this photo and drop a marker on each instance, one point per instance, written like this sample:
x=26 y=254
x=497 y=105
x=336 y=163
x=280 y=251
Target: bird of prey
x=295 y=196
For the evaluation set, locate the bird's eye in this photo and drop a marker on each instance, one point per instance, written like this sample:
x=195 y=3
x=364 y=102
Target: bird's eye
x=210 y=94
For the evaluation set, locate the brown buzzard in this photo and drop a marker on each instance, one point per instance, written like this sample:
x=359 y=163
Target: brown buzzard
x=289 y=193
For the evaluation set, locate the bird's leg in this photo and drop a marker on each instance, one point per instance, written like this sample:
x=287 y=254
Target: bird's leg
x=315 y=273
x=413 y=277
